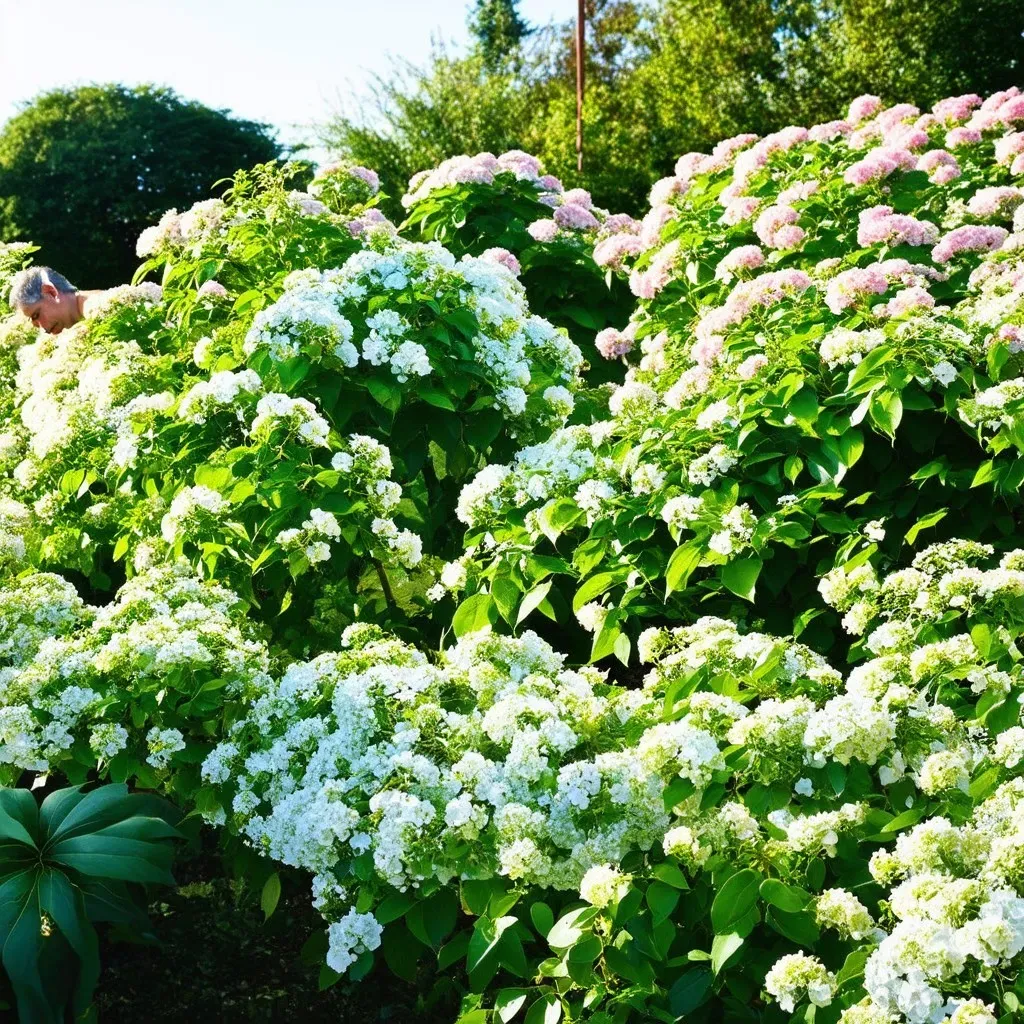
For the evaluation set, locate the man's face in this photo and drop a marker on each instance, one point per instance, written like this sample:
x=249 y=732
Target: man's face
x=55 y=311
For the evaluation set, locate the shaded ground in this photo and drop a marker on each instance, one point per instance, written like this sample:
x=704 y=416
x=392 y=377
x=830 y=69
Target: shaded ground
x=218 y=961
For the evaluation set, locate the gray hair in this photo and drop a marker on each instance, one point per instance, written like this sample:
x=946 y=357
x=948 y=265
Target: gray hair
x=27 y=286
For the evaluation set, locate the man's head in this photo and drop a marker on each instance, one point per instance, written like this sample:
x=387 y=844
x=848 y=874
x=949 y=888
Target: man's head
x=47 y=298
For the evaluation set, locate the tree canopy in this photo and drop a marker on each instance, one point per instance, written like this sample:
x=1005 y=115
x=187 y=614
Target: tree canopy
x=498 y=30
x=669 y=76
x=84 y=170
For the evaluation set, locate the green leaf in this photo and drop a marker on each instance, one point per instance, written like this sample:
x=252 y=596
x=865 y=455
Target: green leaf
x=506 y=596
x=740 y=576
x=736 y=898
x=509 y=1001
x=662 y=900
x=886 y=410
x=393 y=907
x=477 y=612
x=435 y=397
x=924 y=523
x=722 y=948
x=66 y=907
x=689 y=991
x=668 y=873
x=542 y=918
x=684 y=560
x=800 y=928
x=586 y=950
x=595 y=587
x=546 y=1010
x=532 y=600
x=790 y=898
x=270 y=895
x=804 y=405
x=985 y=472
x=569 y=927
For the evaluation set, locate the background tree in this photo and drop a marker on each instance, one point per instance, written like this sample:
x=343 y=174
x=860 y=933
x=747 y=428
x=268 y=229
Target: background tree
x=498 y=29
x=83 y=171
x=667 y=76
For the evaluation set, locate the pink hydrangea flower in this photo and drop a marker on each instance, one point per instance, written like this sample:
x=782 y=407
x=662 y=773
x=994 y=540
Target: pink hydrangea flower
x=752 y=366
x=1017 y=167
x=895 y=115
x=706 y=351
x=998 y=201
x=879 y=225
x=726 y=147
x=962 y=136
x=846 y=289
x=1013 y=336
x=874 y=167
x=740 y=210
x=620 y=222
x=654 y=220
x=212 y=290
x=985 y=121
x=790 y=236
x=771 y=220
x=688 y=165
x=1009 y=146
x=653 y=349
x=648 y=283
x=829 y=130
x=503 y=258
x=664 y=189
x=578 y=197
x=613 y=344
x=764 y=290
x=611 y=251
x=798 y=192
x=864 y=137
x=744 y=257
x=956 y=109
x=906 y=136
x=940 y=166
x=909 y=300
x=576 y=218
x=1012 y=111
x=970 y=238
x=550 y=183
x=543 y=230
x=863 y=107
x=997 y=99
x=521 y=164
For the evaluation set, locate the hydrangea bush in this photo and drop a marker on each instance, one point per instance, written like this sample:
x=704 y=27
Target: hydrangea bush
x=825 y=359
x=744 y=800
x=270 y=536
x=507 y=207
x=295 y=403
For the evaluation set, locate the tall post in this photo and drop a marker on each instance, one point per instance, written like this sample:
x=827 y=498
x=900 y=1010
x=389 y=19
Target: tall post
x=581 y=20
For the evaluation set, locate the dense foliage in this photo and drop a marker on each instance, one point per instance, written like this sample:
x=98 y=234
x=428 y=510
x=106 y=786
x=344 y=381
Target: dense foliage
x=319 y=537
x=648 y=68
x=84 y=170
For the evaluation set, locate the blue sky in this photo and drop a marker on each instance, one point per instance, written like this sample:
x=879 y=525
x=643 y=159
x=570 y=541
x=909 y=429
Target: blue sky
x=286 y=62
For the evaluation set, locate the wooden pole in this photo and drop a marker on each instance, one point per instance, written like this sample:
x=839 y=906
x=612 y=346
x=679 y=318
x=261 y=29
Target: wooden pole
x=581 y=16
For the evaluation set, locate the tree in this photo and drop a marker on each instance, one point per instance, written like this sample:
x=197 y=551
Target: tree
x=416 y=117
x=83 y=171
x=931 y=48
x=675 y=75
x=498 y=30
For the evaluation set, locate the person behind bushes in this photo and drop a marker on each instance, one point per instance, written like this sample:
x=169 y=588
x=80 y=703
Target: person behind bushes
x=49 y=299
